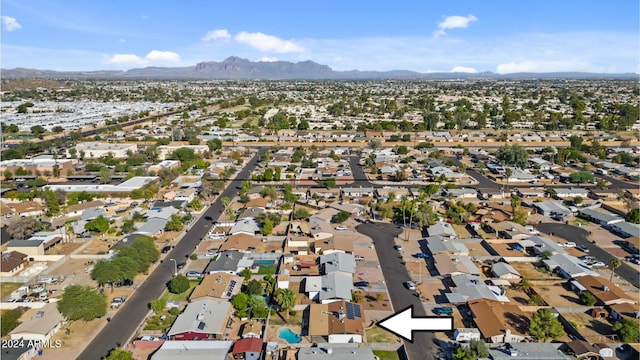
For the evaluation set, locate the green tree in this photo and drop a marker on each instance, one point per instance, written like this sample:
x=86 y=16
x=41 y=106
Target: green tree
x=246 y=274
x=158 y=305
x=119 y=354
x=581 y=177
x=174 y=223
x=254 y=287
x=633 y=216
x=258 y=307
x=38 y=129
x=214 y=144
x=286 y=299
x=513 y=156
x=184 y=154
x=80 y=302
x=97 y=225
x=266 y=227
x=104 y=175
x=615 y=263
x=179 y=284
x=9 y=320
x=587 y=299
x=239 y=301
x=627 y=329
x=105 y=272
x=544 y=325
x=301 y=214
x=340 y=217
x=196 y=205
x=128 y=226
x=576 y=141
x=51 y=200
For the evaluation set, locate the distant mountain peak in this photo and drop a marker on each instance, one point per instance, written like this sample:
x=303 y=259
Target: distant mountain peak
x=235 y=67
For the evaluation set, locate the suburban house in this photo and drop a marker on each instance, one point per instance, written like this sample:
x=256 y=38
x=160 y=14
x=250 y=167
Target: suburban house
x=324 y=215
x=571 y=192
x=470 y=289
x=582 y=350
x=599 y=217
x=339 y=321
x=248 y=226
x=567 y=266
x=500 y=323
x=12 y=262
x=40 y=326
x=337 y=261
x=527 y=351
x=606 y=292
x=448 y=265
x=27 y=208
x=505 y=271
x=552 y=209
x=439 y=244
x=625 y=229
x=220 y=285
x=442 y=229
x=231 y=262
x=509 y=230
x=203 y=319
x=328 y=288
x=28 y=247
x=336 y=352
x=79 y=209
x=249 y=348
x=193 y=350
x=536 y=245
x=357 y=192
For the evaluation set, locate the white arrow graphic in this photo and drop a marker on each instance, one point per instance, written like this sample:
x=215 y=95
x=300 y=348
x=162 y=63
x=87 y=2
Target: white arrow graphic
x=403 y=324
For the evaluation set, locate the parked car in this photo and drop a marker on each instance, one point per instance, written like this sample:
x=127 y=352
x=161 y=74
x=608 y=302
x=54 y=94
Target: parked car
x=570 y=244
x=420 y=255
x=117 y=301
x=149 y=338
x=587 y=257
x=583 y=248
x=397 y=247
x=361 y=284
x=410 y=285
x=359 y=258
x=193 y=274
x=181 y=265
x=166 y=249
x=599 y=264
x=442 y=311
x=341 y=227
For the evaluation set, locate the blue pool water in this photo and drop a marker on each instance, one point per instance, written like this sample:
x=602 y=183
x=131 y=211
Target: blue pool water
x=264 y=262
x=289 y=336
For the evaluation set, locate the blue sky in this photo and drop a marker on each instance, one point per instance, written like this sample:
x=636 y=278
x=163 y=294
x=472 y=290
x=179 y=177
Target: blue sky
x=425 y=36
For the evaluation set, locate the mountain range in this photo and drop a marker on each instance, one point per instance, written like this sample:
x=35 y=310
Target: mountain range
x=237 y=68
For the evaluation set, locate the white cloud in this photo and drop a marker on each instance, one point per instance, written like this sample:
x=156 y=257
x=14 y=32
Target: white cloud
x=218 y=34
x=268 y=59
x=10 y=23
x=264 y=42
x=463 y=69
x=543 y=66
x=122 y=41
x=153 y=57
x=454 y=22
x=162 y=56
x=126 y=60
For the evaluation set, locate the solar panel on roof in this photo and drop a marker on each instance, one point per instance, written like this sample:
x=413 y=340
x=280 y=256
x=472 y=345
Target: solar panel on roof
x=353 y=311
x=201 y=325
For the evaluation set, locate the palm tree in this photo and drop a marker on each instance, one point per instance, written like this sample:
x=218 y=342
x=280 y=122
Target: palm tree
x=615 y=263
x=286 y=299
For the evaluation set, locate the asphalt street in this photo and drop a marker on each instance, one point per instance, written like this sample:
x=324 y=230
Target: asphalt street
x=580 y=237
x=425 y=345
x=127 y=319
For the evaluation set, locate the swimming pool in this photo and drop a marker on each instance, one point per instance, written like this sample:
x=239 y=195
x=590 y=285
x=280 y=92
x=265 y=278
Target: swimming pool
x=289 y=336
x=263 y=262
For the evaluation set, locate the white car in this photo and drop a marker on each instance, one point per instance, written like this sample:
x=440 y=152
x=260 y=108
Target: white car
x=599 y=264
x=410 y=285
x=341 y=227
x=570 y=244
x=117 y=301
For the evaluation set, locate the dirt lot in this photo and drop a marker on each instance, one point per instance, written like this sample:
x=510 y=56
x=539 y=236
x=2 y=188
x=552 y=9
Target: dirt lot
x=64 y=249
x=592 y=329
x=476 y=249
x=96 y=246
x=556 y=295
x=74 y=337
x=528 y=271
x=505 y=249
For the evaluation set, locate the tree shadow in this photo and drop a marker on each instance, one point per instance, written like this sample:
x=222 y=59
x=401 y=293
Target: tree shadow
x=518 y=322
